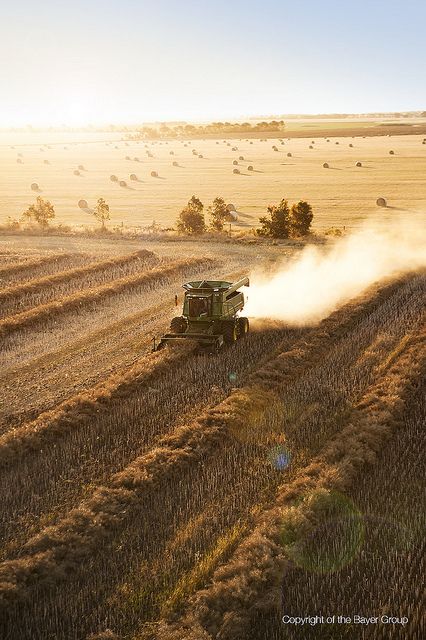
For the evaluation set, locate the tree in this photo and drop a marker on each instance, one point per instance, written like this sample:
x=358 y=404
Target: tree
x=301 y=218
x=191 y=218
x=277 y=224
x=101 y=212
x=41 y=212
x=219 y=214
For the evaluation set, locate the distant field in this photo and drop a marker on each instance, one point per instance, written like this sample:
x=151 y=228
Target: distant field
x=341 y=195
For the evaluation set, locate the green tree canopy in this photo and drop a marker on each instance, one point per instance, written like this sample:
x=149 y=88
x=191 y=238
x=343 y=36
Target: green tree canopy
x=301 y=218
x=41 y=212
x=277 y=223
x=219 y=214
x=101 y=212
x=191 y=218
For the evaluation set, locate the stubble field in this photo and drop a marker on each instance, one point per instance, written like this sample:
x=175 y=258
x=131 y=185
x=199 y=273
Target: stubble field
x=184 y=496
x=342 y=195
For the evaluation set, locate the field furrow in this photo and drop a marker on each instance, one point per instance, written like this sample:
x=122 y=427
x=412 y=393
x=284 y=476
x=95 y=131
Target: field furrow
x=209 y=455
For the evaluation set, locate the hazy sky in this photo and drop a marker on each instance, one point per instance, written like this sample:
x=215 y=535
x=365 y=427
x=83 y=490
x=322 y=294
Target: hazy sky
x=103 y=61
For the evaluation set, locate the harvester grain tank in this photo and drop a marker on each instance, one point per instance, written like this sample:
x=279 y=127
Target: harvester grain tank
x=211 y=314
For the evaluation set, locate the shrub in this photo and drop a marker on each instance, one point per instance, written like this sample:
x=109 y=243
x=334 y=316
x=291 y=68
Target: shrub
x=219 y=214
x=41 y=212
x=278 y=223
x=191 y=218
x=301 y=218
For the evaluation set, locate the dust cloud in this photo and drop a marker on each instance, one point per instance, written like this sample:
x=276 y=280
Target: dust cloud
x=318 y=281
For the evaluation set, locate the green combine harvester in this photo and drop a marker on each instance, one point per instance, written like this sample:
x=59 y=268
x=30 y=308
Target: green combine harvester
x=211 y=315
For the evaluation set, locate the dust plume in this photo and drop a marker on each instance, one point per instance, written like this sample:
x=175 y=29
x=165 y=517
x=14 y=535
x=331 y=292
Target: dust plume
x=318 y=281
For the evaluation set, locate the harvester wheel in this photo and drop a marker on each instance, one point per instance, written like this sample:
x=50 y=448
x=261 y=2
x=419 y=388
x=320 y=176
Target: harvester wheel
x=243 y=327
x=178 y=325
x=230 y=333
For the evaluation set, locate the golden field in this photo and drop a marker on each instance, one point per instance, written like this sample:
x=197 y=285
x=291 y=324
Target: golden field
x=342 y=195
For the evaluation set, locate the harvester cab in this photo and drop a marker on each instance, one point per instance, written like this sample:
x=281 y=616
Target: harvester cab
x=211 y=314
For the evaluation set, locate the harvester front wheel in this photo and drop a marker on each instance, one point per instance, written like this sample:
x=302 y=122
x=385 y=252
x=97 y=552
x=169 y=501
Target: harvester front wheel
x=178 y=325
x=243 y=327
x=230 y=333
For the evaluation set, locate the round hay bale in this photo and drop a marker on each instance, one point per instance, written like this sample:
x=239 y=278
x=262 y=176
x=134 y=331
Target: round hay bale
x=381 y=202
x=310 y=146
x=241 y=158
x=250 y=168
x=235 y=162
x=18 y=160
x=136 y=159
x=350 y=144
x=83 y=204
x=391 y=152
x=81 y=167
x=230 y=207
x=234 y=148
x=251 y=142
x=172 y=153
x=175 y=164
x=133 y=176
x=424 y=142
x=228 y=144
x=328 y=140
x=313 y=142
x=35 y=187
x=336 y=142
x=20 y=155
x=289 y=155
x=46 y=162
x=123 y=183
x=236 y=171
x=217 y=141
x=154 y=174
x=326 y=165
x=283 y=142
x=66 y=148
x=194 y=152
x=200 y=155
x=76 y=172
x=275 y=148
x=113 y=178
x=358 y=164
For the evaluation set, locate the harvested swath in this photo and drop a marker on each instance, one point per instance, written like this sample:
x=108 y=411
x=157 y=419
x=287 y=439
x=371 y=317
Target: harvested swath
x=33 y=264
x=55 y=548
x=86 y=298
x=34 y=286
x=74 y=412
x=224 y=609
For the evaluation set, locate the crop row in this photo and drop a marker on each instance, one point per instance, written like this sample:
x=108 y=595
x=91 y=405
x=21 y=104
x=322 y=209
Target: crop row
x=191 y=442
x=93 y=296
x=25 y=294
x=241 y=586
x=20 y=269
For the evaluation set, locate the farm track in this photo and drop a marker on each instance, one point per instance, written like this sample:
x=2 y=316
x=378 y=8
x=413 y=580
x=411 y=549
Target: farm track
x=77 y=301
x=20 y=297
x=330 y=339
